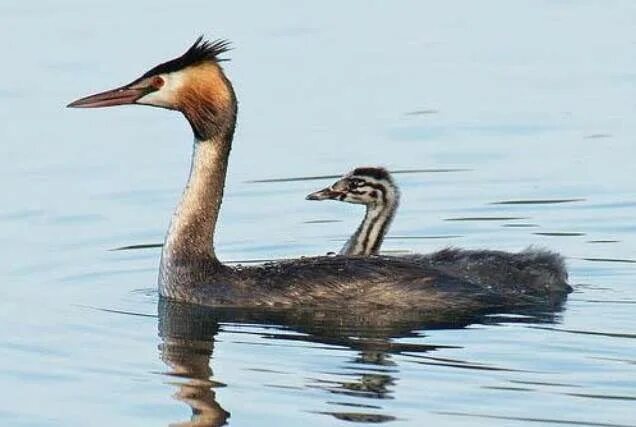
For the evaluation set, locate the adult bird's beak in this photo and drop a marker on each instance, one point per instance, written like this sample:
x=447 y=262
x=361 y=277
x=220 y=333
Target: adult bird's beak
x=124 y=95
x=324 y=194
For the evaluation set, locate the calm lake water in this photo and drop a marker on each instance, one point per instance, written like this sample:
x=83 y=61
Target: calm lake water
x=518 y=103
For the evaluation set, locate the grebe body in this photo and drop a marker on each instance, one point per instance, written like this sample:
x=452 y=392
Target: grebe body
x=196 y=85
x=375 y=188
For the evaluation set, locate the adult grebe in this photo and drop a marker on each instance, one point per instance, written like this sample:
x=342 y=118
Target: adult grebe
x=375 y=188
x=196 y=85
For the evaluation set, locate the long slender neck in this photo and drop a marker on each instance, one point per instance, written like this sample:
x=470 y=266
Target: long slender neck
x=191 y=232
x=207 y=100
x=370 y=233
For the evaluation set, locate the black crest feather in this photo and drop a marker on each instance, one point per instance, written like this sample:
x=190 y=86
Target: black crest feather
x=200 y=51
x=373 y=172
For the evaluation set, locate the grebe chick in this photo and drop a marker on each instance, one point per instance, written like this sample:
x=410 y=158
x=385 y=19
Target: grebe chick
x=375 y=188
x=196 y=85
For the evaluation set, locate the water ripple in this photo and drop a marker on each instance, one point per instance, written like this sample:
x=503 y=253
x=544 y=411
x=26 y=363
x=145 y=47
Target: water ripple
x=620 y=260
x=534 y=420
x=536 y=201
x=358 y=417
x=576 y=331
x=486 y=218
x=324 y=177
x=601 y=396
x=559 y=234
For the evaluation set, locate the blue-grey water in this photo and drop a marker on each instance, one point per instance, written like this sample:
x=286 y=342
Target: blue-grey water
x=523 y=103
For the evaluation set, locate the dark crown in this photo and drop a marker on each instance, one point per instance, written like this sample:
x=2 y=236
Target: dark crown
x=200 y=51
x=373 y=172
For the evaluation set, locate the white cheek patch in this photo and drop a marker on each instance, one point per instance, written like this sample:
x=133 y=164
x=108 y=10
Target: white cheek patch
x=168 y=94
x=356 y=199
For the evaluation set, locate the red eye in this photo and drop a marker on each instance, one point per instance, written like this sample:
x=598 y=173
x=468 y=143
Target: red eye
x=157 y=82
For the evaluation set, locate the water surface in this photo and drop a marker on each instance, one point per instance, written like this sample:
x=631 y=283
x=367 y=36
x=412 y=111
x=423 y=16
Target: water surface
x=510 y=124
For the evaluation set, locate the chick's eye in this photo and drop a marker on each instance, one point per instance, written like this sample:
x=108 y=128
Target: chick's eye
x=355 y=183
x=157 y=82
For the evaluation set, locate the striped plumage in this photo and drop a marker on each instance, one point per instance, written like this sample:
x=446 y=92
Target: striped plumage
x=196 y=85
x=372 y=187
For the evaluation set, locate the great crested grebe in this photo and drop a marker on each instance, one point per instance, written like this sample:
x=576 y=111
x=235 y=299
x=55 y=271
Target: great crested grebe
x=196 y=85
x=375 y=188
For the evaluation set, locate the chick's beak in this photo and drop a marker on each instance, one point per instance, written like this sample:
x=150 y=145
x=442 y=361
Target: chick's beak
x=324 y=194
x=124 y=95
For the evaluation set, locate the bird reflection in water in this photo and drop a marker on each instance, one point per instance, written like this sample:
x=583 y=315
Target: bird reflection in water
x=188 y=336
x=187 y=345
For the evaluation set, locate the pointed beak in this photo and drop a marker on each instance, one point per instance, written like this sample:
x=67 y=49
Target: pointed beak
x=324 y=194
x=124 y=95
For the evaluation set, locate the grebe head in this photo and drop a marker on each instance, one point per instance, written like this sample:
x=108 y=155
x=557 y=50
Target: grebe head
x=370 y=186
x=193 y=83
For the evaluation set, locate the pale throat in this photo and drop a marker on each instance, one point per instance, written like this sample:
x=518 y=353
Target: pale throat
x=191 y=232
